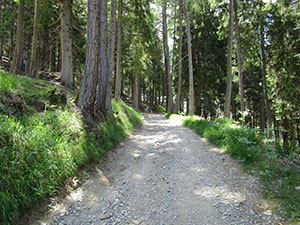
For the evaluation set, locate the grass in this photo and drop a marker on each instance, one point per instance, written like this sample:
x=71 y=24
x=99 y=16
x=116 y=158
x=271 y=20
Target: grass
x=246 y=145
x=39 y=150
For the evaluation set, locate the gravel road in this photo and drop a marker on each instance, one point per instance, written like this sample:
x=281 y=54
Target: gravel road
x=165 y=174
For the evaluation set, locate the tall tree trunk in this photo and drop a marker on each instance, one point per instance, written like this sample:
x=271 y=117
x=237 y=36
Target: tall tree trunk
x=191 y=76
x=239 y=57
x=111 y=57
x=52 y=58
x=100 y=99
x=33 y=66
x=229 y=63
x=1 y=37
x=67 y=78
x=135 y=91
x=178 y=97
x=264 y=80
x=88 y=86
x=167 y=59
x=119 y=47
x=14 y=68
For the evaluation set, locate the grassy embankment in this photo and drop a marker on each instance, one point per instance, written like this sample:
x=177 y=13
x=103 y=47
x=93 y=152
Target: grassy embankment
x=280 y=180
x=42 y=143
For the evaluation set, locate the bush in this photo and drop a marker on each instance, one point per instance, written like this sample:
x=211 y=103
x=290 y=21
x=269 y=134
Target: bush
x=40 y=150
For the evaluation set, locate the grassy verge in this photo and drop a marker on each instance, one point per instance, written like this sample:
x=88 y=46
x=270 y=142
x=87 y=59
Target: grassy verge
x=39 y=149
x=279 y=179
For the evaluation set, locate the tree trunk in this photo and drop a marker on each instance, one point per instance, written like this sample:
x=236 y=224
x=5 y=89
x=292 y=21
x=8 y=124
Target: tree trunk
x=229 y=64
x=191 y=76
x=102 y=83
x=14 y=68
x=1 y=37
x=178 y=97
x=119 y=48
x=239 y=57
x=167 y=59
x=33 y=67
x=66 y=44
x=88 y=86
x=264 y=81
x=135 y=92
x=111 y=57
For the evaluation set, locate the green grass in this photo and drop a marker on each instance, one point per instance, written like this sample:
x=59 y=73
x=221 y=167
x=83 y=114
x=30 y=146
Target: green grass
x=246 y=145
x=40 y=150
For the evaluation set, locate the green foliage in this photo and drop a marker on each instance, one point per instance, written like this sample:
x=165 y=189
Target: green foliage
x=38 y=151
x=160 y=109
x=242 y=143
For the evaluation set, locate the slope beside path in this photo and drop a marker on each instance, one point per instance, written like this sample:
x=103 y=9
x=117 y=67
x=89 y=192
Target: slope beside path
x=165 y=174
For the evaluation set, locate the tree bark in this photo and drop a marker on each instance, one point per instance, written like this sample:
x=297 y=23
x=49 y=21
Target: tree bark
x=167 y=59
x=239 y=57
x=191 y=76
x=135 y=92
x=264 y=80
x=102 y=82
x=33 y=67
x=88 y=86
x=178 y=97
x=14 y=68
x=66 y=44
x=111 y=57
x=229 y=63
x=1 y=37
x=119 y=48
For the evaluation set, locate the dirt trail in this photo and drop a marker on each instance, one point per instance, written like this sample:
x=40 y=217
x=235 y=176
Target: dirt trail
x=165 y=174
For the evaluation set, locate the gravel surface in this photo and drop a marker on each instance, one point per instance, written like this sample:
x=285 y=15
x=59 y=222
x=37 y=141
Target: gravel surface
x=165 y=174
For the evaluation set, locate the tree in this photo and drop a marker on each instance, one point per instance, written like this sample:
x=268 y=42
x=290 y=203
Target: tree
x=229 y=63
x=33 y=68
x=67 y=78
x=102 y=82
x=191 y=77
x=167 y=59
x=178 y=96
x=88 y=86
x=111 y=58
x=119 y=48
x=18 y=49
x=239 y=57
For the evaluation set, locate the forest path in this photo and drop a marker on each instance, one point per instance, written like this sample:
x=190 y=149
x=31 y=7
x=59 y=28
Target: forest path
x=165 y=174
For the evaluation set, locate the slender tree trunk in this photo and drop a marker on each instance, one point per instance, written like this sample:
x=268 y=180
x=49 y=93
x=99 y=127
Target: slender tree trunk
x=1 y=37
x=88 y=86
x=178 y=97
x=67 y=78
x=239 y=57
x=33 y=66
x=59 y=57
x=119 y=47
x=191 y=76
x=264 y=80
x=167 y=59
x=18 y=49
x=100 y=99
x=52 y=58
x=135 y=92
x=111 y=57
x=229 y=64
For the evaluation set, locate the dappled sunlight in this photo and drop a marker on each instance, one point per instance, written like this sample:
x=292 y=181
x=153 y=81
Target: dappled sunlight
x=138 y=176
x=221 y=194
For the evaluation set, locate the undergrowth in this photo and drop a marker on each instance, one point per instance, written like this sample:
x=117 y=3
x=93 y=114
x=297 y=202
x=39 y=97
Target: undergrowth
x=40 y=150
x=246 y=145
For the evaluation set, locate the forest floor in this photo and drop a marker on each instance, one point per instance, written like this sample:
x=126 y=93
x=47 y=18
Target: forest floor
x=165 y=174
